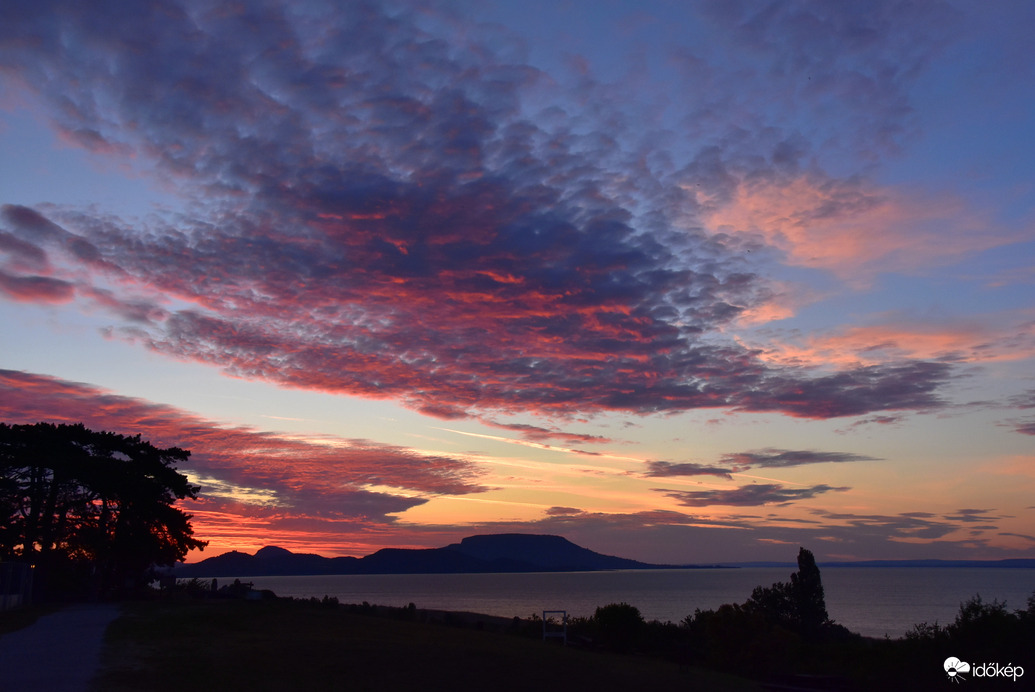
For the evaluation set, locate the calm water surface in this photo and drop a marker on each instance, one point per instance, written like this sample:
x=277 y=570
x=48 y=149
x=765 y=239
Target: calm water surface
x=873 y=601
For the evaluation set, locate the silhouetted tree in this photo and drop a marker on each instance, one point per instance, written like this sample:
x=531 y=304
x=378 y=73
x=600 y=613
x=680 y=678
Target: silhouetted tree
x=810 y=607
x=799 y=605
x=768 y=633
x=91 y=506
x=989 y=630
x=984 y=631
x=773 y=603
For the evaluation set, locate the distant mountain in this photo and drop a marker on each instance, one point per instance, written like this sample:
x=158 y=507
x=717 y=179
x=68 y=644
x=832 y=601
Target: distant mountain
x=505 y=552
x=508 y=552
x=546 y=553
x=269 y=561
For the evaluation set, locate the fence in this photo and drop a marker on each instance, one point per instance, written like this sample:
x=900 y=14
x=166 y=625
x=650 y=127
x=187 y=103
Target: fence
x=15 y=585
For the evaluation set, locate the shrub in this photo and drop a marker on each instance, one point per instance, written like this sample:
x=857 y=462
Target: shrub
x=619 y=626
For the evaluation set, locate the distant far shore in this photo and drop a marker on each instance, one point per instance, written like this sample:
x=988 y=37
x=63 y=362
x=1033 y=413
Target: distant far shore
x=1012 y=563
x=187 y=570
x=493 y=554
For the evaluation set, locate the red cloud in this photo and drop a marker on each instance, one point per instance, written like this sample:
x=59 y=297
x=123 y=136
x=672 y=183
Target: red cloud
x=249 y=473
x=452 y=342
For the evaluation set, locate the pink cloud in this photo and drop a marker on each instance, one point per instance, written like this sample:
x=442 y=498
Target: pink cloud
x=1008 y=338
x=852 y=228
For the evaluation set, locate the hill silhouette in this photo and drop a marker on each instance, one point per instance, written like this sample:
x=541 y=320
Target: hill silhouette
x=508 y=552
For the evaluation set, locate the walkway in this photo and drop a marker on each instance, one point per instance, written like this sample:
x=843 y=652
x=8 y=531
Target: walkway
x=59 y=652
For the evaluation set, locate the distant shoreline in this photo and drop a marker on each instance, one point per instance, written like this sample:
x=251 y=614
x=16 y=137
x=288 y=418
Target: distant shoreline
x=188 y=570
x=496 y=554
x=870 y=600
x=1009 y=563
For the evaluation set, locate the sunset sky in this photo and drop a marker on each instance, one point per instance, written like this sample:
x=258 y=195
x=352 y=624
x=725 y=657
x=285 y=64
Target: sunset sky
x=680 y=281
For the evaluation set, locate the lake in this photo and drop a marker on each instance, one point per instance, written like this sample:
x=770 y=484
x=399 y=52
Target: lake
x=873 y=601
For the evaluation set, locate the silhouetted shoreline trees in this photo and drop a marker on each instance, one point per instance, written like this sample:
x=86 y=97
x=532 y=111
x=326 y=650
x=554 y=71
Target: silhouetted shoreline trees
x=782 y=636
x=799 y=605
x=772 y=631
x=94 y=511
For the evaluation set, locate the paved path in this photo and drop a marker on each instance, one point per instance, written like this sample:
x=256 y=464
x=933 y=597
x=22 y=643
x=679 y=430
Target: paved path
x=59 y=652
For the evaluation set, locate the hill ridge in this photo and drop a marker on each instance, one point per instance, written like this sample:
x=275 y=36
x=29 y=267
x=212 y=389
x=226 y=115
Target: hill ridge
x=484 y=553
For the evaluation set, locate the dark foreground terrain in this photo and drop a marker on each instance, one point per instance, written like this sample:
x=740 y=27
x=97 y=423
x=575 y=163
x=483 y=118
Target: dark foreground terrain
x=282 y=644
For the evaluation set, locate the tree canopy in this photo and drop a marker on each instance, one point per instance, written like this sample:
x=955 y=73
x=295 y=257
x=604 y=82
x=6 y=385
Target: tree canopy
x=765 y=634
x=91 y=509
x=800 y=605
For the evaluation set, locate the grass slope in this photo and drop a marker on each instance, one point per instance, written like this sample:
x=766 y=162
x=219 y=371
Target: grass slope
x=278 y=645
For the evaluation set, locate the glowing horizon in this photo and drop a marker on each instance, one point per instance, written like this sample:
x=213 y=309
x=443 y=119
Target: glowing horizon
x=682 y=284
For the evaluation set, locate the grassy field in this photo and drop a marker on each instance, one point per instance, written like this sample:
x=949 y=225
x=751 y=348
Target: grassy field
x=278 y=645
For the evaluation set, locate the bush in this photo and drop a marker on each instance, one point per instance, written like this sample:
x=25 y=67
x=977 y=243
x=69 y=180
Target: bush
x=619 y=626
x=741 y=639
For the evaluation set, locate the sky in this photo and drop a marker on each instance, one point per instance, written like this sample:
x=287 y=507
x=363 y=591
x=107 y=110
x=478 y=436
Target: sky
x=682 y=282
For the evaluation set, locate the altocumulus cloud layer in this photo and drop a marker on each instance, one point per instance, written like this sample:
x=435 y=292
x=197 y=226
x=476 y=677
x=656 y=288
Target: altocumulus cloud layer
x=375 y=210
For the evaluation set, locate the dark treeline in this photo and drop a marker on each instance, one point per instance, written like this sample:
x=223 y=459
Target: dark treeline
x=92 y=512
x=781 y=635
